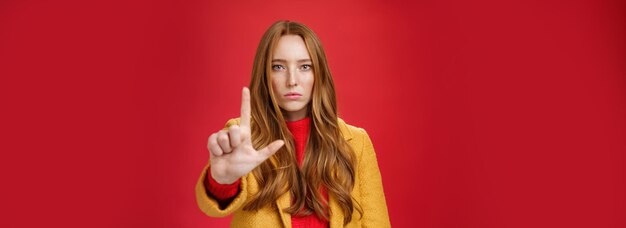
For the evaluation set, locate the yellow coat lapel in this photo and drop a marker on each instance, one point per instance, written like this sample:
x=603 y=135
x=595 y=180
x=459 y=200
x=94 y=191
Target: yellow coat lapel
x=283 y=202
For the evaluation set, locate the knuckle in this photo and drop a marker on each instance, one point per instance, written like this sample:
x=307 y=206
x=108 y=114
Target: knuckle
x=212 y=140
x=234 y=132
x=224 y=142
x=222 y=138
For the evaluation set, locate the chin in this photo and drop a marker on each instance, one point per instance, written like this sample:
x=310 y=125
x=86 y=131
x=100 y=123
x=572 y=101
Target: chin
x=293 y=108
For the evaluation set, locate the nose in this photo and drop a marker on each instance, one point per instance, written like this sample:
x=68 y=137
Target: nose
x=292 y=80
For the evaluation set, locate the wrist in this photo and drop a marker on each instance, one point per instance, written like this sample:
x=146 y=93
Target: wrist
x=222 y=180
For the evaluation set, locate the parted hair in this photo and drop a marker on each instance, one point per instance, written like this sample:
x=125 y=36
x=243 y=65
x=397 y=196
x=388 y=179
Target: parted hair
x=329 y=160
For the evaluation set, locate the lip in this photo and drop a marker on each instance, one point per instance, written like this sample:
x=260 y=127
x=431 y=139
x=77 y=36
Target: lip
x=293 y=95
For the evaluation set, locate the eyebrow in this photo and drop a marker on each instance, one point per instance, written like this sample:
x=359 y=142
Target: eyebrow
x=282 y=60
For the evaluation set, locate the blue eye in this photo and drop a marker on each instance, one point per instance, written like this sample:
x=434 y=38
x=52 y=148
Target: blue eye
x=277 y=67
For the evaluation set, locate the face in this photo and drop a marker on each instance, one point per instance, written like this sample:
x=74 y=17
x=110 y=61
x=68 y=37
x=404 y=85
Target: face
x=292 y=76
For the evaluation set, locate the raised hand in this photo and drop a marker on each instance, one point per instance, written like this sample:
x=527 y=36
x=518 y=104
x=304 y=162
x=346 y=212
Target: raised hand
x=231 y=152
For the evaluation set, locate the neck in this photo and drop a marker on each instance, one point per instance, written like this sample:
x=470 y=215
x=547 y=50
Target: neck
x=296 y=115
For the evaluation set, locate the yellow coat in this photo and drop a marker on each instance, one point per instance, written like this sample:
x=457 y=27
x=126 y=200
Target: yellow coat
x=368 y=191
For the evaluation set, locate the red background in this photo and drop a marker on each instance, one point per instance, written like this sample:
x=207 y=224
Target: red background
x=483 y=114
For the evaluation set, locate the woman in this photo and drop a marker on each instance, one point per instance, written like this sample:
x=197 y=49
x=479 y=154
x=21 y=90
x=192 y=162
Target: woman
x=289 y=161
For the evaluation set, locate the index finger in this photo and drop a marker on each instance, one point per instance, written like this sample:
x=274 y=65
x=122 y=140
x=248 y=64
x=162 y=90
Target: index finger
x=245 y=107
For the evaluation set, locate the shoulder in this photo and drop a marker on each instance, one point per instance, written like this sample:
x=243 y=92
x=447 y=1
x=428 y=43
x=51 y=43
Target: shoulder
x=351 y=132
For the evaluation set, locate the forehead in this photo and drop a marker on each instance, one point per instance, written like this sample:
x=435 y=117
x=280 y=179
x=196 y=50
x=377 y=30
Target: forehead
x=290 y=47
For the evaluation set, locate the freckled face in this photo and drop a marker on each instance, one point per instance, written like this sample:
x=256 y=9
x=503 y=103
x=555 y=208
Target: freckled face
x=292 y=76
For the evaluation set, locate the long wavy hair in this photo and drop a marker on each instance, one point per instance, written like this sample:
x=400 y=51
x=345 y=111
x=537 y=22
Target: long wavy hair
x=329 y=160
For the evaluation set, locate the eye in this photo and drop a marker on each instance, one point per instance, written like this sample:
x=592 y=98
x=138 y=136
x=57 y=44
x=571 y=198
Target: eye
x=306 y=66
x=277 y=67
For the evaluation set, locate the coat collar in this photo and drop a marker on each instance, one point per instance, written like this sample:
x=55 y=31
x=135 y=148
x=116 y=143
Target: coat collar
x=345 y=130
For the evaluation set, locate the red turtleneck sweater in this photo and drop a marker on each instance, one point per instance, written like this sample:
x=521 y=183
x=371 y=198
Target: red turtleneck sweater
x=226 y=192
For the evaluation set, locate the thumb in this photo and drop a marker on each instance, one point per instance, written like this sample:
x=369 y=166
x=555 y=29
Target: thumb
x=270 y=149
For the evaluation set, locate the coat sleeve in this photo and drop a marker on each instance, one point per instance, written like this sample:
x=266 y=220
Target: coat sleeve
x=209 y=204
x=373 y=197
